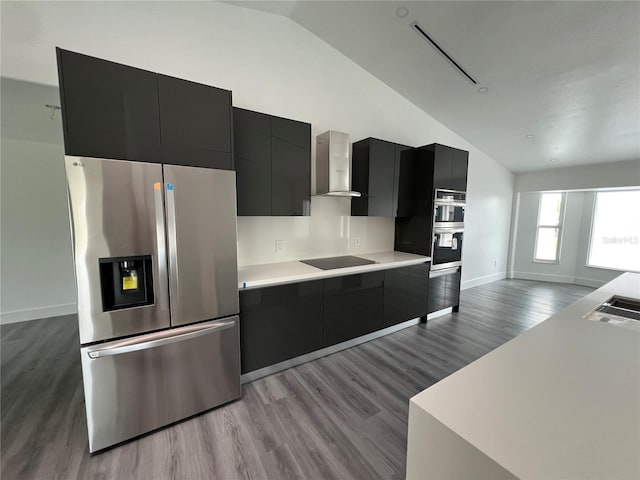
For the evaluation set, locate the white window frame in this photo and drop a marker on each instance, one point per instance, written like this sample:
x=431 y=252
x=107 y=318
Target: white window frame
x=559 y=226
x=594 y=206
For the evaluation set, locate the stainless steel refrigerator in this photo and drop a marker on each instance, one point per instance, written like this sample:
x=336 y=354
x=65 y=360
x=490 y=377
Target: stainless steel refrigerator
x=156 y=271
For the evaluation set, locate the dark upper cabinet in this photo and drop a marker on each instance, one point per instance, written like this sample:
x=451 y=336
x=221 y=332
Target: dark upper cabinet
x=252 y=140
x=422 y=171
x=290 y=167
x=413 y=227
x=353 y=306
x=444 y=289
x=273 y=164
x=405 y=293
x=109 y=110
x=376 y=173
x=115 y=111
x=278 y=323
x=195 y=123
x=450 y=167
x=459 y=168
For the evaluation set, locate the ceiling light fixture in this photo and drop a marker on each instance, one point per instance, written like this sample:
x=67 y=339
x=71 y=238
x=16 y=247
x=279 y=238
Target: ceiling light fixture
x=529 y=136
x=554 y=160
x=402 y=12
x=483 y=90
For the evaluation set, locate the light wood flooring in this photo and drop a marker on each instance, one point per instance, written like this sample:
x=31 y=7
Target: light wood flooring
x=340 y=417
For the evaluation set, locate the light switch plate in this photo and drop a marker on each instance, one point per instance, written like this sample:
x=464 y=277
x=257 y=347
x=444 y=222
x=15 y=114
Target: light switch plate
x=279 y=246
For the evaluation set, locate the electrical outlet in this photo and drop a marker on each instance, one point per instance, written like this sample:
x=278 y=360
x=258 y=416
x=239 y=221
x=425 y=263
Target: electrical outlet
x=356 y=241
x=279 y=246
x=495 y=263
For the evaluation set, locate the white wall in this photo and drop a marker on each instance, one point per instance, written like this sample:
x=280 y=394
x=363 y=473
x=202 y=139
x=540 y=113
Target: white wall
x=272 y=65
x=584 y=177
x=574 y=245
x=36 y=272
x=574 y=250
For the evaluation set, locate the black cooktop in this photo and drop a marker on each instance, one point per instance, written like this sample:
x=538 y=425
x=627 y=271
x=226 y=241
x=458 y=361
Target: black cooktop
x=337 y=262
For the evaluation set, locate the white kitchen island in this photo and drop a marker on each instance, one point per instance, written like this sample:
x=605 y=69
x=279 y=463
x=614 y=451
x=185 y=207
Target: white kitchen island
x=561 y=401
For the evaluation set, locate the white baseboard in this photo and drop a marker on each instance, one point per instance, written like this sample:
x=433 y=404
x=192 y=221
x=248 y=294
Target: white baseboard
x=37 y=313
x=547 y=277
x=589 y=282
x=476 y=282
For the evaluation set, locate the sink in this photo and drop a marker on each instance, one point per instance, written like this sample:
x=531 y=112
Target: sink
x=619 y=311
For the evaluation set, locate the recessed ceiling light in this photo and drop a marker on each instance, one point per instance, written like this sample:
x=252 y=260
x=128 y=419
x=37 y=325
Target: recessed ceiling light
x=554 y=160
x=529 y=136
x=483 y=90
x=402 y=12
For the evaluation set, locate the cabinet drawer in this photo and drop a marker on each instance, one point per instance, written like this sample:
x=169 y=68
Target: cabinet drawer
x=279 y=323
x=353 y=306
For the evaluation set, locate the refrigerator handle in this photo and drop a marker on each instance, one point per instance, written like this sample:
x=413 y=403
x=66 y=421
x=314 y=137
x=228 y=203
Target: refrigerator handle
x=161 y=246
x=174 y=286
x=159 y=339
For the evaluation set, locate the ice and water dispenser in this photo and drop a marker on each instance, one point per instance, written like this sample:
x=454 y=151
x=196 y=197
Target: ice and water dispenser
x=126 y=282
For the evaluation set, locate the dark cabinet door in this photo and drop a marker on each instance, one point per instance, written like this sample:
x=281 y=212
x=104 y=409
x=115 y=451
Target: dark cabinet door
x=443 y=157
x=382 y=156
x=453 y=290
x=290 y=167
x=252 y=150
x=405 y=294
x=353 y=306
x=444 y=289
x=417 y=290
x=109 y=110
x=195 y=123
x=437 y=298
x=413 y=230
x=376 y=173
x=395 y=295
x=398 y=206
x=459 y=167
x=279 y=323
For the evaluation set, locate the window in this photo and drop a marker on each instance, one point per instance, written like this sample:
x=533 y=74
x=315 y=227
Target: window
x=615 y=231
x=549 y=229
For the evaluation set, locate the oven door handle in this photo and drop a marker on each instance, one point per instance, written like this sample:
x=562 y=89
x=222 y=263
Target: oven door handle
x=447 y=230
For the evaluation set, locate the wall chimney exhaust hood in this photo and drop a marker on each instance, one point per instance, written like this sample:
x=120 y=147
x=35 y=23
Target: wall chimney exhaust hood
x=333 y=165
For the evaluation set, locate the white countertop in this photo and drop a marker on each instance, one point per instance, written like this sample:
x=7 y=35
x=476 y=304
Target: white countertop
x=561 y=400
x=268 y=274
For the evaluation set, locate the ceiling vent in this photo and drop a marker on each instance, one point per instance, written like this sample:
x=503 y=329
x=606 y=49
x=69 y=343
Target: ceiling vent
x=416 y=26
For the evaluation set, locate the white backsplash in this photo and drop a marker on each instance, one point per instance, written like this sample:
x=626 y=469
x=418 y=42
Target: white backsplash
x=329 y=231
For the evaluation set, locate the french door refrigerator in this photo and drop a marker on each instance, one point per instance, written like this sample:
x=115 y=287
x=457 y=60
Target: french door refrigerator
x=157 y=290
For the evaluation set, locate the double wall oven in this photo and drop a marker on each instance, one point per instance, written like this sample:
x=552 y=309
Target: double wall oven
x=448 y=229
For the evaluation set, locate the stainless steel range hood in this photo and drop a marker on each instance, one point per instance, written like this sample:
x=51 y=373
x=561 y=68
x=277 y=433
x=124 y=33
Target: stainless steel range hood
x=333 y=165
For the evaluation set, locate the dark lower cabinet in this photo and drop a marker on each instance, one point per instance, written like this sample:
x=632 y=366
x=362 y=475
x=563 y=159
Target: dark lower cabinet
x=353 y=306
x=278 y=323
x=444 y=289
x=285 y=321
x=405 y=294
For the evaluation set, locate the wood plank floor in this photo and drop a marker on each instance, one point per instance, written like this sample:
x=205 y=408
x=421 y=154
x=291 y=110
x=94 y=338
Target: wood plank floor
x=342 y=416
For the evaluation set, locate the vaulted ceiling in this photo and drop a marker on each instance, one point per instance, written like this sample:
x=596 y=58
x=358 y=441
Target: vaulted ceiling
x=563 y=78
